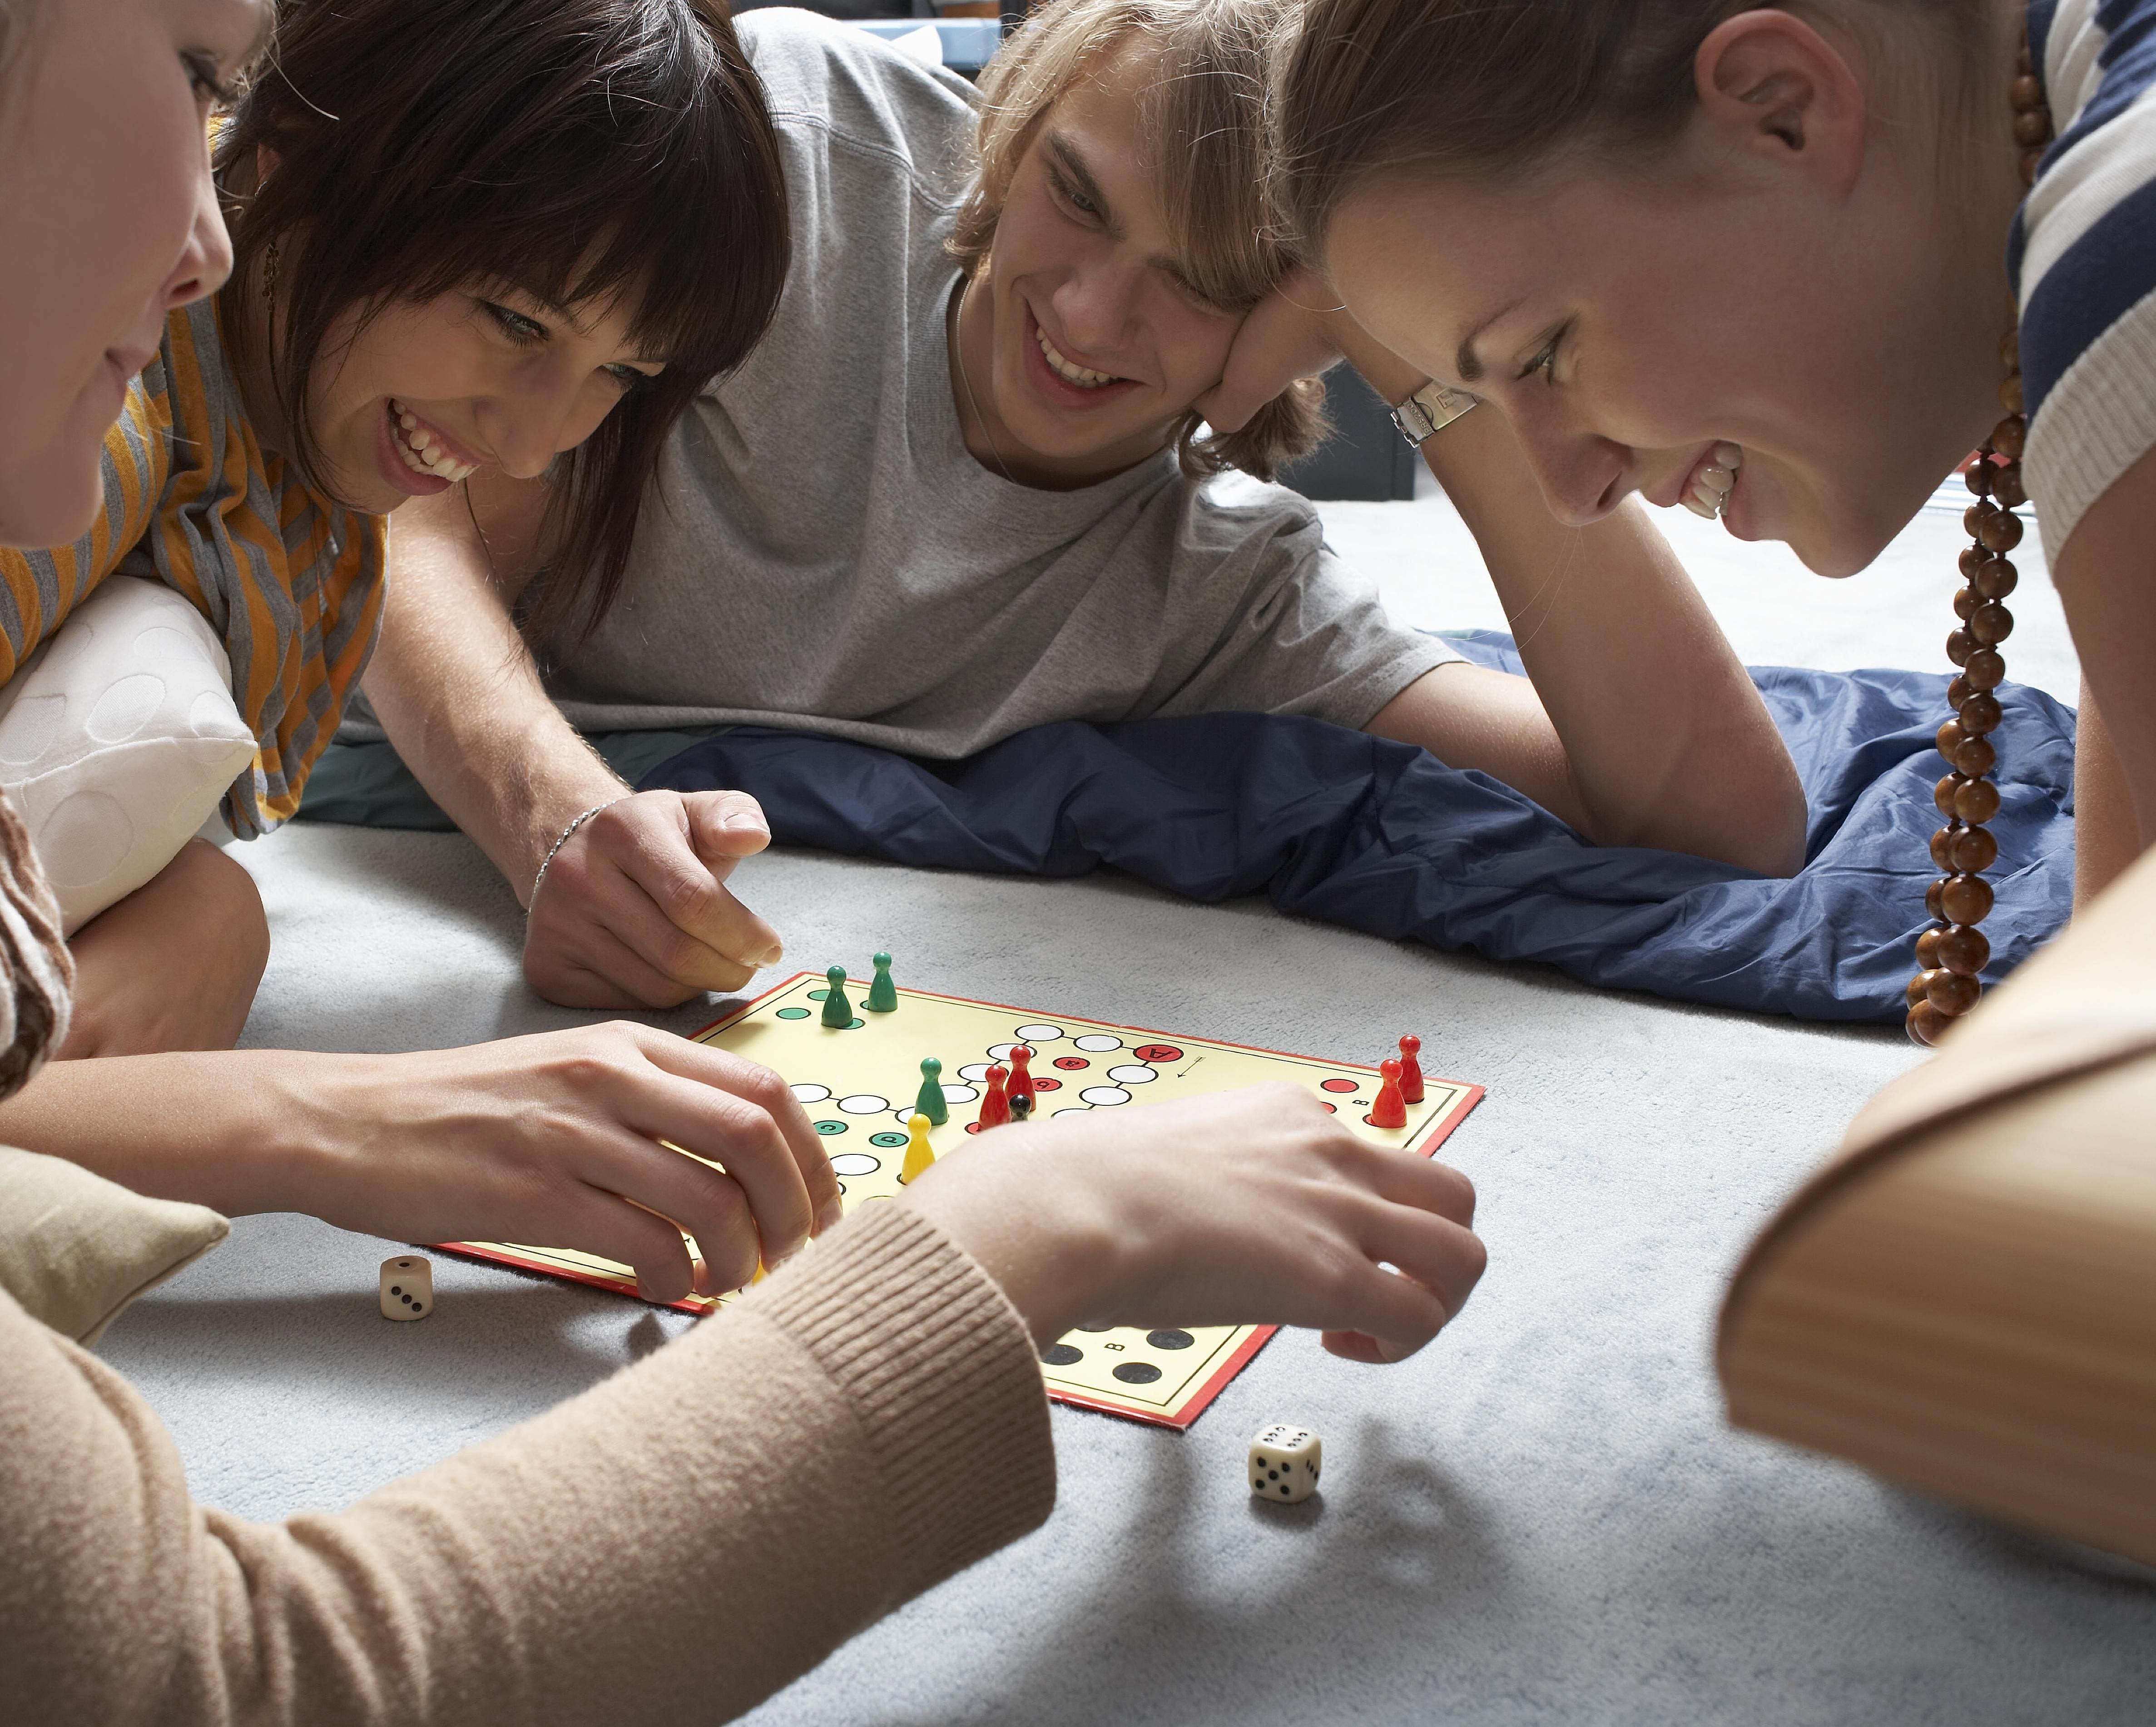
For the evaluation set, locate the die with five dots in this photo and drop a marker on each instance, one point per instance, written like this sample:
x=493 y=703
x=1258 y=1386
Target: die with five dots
x=1283 y=1463
x=407 y=1288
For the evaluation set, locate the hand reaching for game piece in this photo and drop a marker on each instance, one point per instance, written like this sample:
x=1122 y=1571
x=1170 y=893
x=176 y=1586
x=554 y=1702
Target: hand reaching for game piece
x=1246 y=1207
x=634 y=910
x=553 y=1139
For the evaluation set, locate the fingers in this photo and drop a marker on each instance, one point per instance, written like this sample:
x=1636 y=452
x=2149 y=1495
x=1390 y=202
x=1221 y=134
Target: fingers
x=593 y=968
x=599 y=1221
x=651 y=846
x=707 y=1069
x=726 y=824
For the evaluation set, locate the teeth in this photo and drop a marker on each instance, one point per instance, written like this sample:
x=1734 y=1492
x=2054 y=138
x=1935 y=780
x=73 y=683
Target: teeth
x=1085 y=377
x=1709 y=510
x=422 y=452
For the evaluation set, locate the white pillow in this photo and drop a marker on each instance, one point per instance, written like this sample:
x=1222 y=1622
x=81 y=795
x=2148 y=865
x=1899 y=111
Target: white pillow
x=118 y=737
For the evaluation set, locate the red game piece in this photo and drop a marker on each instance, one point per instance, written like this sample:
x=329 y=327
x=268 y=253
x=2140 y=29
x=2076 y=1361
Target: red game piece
x=1391 y=1108
x=1410 y=1069
x=1021 y=1079
x=995 y=1105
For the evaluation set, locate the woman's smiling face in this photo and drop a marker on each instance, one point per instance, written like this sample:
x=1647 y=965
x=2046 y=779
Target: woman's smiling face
x=1100 y=346
x=412 y=401
x=108 y=221
x=1626 y=329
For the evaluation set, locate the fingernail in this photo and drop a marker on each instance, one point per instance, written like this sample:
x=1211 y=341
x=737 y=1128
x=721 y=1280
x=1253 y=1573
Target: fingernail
x=829 y=1217
x=772 y=956
x=741 y=821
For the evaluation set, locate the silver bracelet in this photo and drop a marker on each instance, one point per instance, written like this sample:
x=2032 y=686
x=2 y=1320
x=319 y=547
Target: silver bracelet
x=1430 y=410
x=533 y=898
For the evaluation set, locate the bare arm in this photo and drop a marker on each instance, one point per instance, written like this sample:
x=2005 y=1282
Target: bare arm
x=1635 y=724
x=2105 y=841
x=555 y=1139
x=1642 y=726
x=2106 y=574
x=635 y=910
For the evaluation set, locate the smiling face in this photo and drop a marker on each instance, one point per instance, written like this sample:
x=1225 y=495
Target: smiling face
x=424 y=394
x=1084 y=343
x=1627 y=326
x=1801 y=270
x=108 y=221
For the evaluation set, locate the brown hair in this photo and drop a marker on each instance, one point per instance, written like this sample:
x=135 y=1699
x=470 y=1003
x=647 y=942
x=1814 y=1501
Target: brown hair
x=1206 y=129
x=577 y=149
x=1495 y=87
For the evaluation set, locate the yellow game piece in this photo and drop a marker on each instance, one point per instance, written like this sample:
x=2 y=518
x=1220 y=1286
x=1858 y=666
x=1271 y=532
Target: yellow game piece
x=918 y=1156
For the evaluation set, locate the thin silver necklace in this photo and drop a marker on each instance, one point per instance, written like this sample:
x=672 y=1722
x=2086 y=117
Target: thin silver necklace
x=958 y=348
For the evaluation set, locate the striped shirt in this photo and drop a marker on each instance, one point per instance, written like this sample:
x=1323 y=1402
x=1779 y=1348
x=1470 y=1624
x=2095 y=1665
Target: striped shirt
x=292 y=581
x=2083 y=257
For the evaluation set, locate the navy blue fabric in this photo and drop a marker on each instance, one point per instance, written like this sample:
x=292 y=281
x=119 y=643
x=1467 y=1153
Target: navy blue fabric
x=1381 y=837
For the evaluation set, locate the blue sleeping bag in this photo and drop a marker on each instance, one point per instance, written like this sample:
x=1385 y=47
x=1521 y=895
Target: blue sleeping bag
x=1381 y=837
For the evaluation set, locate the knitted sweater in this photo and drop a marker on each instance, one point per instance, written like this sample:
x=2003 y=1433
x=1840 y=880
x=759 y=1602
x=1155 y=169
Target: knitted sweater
x=674 y=1545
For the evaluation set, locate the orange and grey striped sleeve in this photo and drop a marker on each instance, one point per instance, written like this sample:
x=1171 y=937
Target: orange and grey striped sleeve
x=39 y=589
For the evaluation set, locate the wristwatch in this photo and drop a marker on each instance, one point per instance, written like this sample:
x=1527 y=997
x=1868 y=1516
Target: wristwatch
x=1430 y=409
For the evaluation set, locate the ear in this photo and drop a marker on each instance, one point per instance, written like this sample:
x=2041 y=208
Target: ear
x=1773 y=88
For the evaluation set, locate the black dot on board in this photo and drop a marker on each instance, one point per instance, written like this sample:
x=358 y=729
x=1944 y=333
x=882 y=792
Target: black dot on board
x=1170 y=1340
x=1096 y=1328
x=1138 y=1373
x=1061 y=1354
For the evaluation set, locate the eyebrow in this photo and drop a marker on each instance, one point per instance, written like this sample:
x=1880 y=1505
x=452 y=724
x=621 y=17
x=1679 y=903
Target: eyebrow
x=1466 y=361
x=1074 y=165
x=547 y=303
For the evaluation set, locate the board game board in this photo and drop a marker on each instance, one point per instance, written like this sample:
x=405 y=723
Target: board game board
x=857 y=1084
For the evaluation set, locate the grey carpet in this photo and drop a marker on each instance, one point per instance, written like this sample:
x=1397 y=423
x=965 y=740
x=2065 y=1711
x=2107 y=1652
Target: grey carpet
x=1540 y=1518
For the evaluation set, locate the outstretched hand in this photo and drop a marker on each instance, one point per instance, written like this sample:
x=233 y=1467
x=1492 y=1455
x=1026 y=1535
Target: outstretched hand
x=556 y=1140
x=1289 y=335
x=634 y=911
x=1246 y=1207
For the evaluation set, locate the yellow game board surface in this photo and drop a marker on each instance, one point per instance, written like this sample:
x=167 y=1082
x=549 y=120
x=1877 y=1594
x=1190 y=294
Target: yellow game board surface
x=859 y=1084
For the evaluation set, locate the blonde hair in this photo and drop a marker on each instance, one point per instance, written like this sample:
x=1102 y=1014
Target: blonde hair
x=1204 y=116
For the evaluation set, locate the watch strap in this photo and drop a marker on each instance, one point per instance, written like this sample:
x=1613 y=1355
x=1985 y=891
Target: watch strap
x=1429 y=410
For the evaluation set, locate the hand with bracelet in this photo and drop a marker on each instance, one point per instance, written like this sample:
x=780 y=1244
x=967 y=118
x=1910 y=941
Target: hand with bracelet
x=629 y=905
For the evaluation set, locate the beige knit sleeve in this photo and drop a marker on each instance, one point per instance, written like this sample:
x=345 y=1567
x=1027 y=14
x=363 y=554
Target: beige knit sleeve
x=674 y=1545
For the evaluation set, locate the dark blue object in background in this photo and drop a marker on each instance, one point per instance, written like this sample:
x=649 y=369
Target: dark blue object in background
x=1381 y=837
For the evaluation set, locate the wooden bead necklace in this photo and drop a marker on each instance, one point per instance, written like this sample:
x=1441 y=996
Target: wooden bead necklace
x=1953 y=951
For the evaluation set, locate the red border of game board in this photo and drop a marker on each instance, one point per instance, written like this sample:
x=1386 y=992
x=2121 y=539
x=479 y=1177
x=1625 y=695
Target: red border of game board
x=1201 y=1400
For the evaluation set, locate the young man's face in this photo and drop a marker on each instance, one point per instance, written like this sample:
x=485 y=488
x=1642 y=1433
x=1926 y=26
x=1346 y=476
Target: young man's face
x=1099 y=345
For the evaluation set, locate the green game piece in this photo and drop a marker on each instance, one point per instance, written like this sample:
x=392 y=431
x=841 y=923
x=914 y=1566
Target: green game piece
x=837 y=1010
x=883 y=993
x=931 y=1102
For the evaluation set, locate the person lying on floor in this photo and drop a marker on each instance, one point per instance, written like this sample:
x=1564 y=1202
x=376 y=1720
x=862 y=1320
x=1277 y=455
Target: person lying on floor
x=388 y=289
x=394 y=150
x=867 y=1423
x=964 y=488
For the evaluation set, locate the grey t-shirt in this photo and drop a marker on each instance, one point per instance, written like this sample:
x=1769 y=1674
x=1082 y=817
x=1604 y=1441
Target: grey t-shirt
x=822 y=552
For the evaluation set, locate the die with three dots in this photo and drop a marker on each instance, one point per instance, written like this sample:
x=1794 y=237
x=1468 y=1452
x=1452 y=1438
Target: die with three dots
x=407 y=1288
x=1284 y=1461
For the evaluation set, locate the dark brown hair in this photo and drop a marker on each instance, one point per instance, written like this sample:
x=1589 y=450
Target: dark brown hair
x=1205 y=121
x=579 y=150
x=1495 y=87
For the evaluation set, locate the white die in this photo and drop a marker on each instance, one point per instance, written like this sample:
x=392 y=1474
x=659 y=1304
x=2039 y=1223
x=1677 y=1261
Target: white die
x=1283 y=1463
x=407 y=1288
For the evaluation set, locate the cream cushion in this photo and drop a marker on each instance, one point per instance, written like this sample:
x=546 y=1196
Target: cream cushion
x=76 y=1248
x=118 y=738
